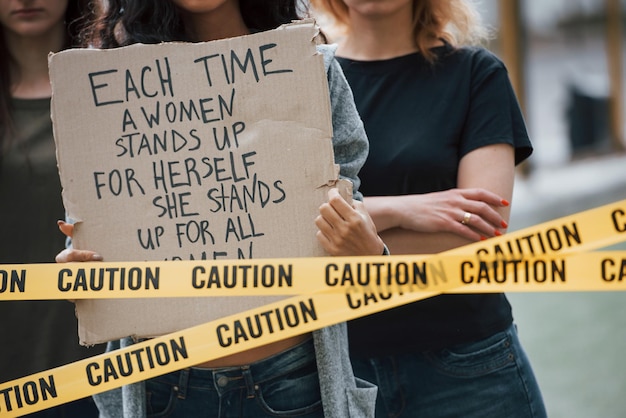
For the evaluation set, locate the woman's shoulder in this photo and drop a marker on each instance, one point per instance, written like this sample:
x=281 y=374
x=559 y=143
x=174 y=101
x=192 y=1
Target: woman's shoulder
x=328 y=53
x=478 y=57
x=474 y=63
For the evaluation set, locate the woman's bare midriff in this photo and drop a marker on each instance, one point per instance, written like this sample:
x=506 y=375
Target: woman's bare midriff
x=255 y=354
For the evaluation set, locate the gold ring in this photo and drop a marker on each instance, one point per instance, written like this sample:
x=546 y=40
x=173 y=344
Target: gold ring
x=466 y=218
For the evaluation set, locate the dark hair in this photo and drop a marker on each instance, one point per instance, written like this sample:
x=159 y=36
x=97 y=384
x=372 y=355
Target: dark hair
x=75 y=14
x=124 y=22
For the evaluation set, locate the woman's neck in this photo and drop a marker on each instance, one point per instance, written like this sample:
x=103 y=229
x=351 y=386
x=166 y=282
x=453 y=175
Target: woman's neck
x=29 y=68
x=224 y=22
x=378 y=36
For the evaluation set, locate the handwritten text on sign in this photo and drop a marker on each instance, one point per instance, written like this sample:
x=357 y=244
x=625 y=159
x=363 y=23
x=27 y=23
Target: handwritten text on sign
x=192 y=151
x=182 y=138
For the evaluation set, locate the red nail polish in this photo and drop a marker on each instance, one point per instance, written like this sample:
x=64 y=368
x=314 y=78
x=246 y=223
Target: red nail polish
x=505 y=202
x=482 y=238
x=504 y=224
x=497 y=233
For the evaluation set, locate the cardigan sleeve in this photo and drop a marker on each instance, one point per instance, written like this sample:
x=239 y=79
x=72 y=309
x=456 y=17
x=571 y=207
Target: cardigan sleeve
x=350 y=142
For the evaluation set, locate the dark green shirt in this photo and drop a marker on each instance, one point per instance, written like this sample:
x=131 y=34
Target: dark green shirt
x=35 y=335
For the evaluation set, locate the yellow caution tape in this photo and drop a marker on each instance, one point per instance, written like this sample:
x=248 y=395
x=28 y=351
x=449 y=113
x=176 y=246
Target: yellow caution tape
x=215 y=339
x=481 y=266
x=588 y=230
x=580 y=272
x=206 y=278
x=552 y=256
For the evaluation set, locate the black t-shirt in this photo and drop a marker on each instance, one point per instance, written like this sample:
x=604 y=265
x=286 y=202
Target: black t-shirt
x=421 y=119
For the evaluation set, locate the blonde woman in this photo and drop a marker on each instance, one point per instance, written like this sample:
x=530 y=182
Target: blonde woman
x=445 y=133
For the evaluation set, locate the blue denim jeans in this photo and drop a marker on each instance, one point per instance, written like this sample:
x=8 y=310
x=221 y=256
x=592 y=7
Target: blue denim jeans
x=283 y=385
x=491 y=378
x=83 y=408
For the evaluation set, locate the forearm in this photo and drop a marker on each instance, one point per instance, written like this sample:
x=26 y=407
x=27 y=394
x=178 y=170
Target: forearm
x=403 y=241
x=477 y=209
x=384 y=211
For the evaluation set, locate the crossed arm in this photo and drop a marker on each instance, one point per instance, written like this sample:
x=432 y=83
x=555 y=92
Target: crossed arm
x=430 y=223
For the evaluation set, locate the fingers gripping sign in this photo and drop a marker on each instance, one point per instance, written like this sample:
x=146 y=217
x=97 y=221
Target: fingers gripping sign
x=71 y=254
x=346 y=229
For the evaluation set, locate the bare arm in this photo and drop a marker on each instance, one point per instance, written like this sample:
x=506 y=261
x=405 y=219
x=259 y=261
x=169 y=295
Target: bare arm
x=430 y=223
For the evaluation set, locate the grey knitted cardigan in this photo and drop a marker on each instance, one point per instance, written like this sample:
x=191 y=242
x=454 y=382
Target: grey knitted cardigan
x=343 y=395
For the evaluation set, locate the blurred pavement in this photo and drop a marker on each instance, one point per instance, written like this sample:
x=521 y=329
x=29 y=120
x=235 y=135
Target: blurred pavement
x=575 y=341
x=554 y=191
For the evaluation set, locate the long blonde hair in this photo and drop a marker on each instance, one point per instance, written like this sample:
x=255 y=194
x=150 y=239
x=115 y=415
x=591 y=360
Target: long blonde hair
x=455 y=21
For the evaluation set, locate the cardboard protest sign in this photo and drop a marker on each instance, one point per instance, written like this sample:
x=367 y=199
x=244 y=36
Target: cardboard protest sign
x=191 y=151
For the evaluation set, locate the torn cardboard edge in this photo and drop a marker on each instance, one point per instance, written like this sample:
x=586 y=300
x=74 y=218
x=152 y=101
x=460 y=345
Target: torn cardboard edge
x=190 y=151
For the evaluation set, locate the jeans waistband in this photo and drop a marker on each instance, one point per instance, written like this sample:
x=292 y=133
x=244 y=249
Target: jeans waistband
x=247 y=376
